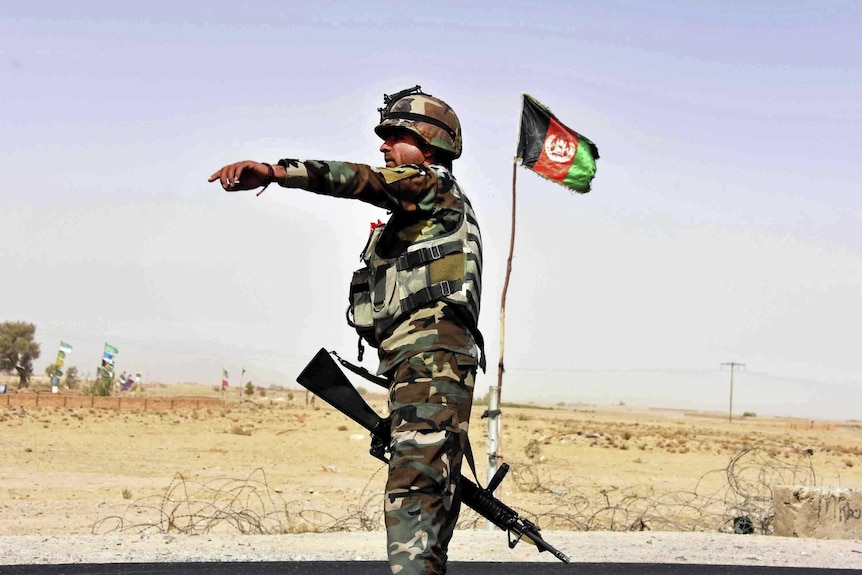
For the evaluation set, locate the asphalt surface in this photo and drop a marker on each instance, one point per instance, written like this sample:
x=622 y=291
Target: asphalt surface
x=382 y=568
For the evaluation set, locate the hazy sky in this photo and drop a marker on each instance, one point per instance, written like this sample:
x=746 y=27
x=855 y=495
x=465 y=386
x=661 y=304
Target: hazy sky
x=723 y=224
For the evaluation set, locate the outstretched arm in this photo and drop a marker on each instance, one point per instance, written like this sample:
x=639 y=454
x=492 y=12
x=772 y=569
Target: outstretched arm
x=405 y=188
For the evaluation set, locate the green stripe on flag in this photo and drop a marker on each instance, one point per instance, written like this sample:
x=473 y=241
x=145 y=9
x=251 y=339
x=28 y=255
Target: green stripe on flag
x=583 y=168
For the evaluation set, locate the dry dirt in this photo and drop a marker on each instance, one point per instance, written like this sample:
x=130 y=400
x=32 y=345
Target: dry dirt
x=273 y=478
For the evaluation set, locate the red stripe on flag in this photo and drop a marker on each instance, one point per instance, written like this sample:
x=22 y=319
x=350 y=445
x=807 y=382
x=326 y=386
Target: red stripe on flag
x=558 y=152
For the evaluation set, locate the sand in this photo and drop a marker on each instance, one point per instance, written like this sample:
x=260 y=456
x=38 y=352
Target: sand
x=272 y=478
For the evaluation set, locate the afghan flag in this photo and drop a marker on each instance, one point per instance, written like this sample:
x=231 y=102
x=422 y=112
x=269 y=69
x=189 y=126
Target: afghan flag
x=224 y=377
x=553 y=150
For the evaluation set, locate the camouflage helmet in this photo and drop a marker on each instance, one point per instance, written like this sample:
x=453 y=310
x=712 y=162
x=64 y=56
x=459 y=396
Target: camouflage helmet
x=428 y=117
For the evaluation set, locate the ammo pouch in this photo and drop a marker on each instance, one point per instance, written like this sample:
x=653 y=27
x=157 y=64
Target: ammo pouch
x=359 y=308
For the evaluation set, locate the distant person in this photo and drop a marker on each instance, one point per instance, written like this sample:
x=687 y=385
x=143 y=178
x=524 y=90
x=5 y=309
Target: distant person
x=417 y=301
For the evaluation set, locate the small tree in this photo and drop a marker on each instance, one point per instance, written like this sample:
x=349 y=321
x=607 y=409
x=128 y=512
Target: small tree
x=71 y=380
x=249 y=389
x=18 y=350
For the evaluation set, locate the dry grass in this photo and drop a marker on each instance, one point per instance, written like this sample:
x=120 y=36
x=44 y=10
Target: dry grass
x=574 y=467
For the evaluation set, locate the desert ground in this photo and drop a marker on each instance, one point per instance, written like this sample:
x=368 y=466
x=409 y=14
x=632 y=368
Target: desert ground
x=277 y=464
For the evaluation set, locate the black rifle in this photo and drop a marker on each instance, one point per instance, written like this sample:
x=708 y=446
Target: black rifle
x=324 y=378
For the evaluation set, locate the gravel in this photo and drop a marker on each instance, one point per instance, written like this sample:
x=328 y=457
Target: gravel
x=478 y=545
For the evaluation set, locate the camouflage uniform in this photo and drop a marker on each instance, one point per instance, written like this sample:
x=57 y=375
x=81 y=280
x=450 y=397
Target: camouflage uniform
x=429 y=355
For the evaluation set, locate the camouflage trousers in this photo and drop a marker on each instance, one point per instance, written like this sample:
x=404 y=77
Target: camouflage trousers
x=430 y=400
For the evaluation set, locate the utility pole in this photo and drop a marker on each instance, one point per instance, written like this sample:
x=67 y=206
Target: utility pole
x=733 y=367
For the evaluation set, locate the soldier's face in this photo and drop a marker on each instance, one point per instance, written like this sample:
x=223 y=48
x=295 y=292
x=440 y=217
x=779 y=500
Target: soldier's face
x=402 y=147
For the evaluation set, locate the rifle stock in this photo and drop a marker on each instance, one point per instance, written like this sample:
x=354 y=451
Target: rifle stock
x=324 y=378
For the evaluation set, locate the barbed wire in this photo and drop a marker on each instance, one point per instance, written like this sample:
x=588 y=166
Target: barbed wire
x=739 y=496
x=246 y=506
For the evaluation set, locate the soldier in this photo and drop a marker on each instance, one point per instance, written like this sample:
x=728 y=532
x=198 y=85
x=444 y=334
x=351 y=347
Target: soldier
x=416 y=299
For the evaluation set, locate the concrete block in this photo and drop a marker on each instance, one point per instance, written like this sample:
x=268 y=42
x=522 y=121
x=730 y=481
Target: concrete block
x=817 y=512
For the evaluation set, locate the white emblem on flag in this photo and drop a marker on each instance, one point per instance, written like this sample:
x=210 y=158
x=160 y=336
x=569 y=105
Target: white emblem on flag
x=560 y=149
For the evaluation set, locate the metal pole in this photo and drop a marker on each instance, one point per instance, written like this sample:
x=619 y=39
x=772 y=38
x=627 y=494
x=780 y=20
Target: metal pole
x=493 y=438
x=493 y=429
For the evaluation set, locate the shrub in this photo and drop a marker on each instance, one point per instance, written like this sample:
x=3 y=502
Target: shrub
x=102 y=386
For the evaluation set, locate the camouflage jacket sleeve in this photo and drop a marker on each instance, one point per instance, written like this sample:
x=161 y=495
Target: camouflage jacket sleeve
x=407 y=188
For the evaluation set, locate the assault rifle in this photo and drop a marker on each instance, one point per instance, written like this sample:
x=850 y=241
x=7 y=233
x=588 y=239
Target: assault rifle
x=326 y=380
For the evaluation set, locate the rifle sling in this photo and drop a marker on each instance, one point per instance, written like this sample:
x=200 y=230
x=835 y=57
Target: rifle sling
x=362 y=372
x=468 y=455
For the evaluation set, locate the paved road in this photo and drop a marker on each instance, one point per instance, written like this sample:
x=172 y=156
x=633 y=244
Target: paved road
x=381 y=568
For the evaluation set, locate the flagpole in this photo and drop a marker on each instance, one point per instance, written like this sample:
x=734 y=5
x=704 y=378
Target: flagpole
x=495 y=456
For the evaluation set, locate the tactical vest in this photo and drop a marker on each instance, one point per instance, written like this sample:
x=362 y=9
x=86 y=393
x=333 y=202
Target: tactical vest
x=447 y=267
